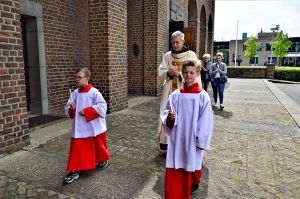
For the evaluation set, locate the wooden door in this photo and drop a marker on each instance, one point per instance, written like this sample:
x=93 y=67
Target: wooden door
x=189 y=37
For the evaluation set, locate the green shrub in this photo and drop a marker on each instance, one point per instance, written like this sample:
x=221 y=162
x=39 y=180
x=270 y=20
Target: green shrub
x=287 y=73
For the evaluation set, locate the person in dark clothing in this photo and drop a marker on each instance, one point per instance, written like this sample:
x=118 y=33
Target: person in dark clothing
x=205 y=77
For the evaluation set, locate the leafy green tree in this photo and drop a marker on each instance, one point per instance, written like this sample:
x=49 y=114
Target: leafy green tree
x=251 y=47
x=281 y=44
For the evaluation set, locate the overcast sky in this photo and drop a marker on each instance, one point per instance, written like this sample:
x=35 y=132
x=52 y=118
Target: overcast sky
x=254 y=15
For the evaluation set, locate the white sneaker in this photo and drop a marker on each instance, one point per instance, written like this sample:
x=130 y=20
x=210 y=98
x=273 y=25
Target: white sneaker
x=221 y=106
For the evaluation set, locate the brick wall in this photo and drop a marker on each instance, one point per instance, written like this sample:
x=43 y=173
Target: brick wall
x=162 y=39
x=13 y=112
x=135 y=21
x=108 y=49
x=66 y=46
x=270 y=72
x=264 y=72
x=150 y=45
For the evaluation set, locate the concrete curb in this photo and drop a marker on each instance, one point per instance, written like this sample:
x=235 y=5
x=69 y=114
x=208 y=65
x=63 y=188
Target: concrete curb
x=292 y=108
x=283 y=81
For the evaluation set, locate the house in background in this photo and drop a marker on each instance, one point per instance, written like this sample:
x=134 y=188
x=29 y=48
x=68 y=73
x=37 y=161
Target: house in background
x=263 y=54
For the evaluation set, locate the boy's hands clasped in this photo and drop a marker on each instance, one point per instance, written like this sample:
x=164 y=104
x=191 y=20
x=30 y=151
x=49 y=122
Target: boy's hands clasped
x=72 y=106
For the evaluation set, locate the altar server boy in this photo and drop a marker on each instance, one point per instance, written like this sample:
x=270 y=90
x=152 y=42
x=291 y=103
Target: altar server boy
x=87 y=108
x=188 y=121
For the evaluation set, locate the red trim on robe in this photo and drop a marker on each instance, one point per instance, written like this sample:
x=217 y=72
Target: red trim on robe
x=90 y=114
x=194 y=88
x=85 y=153
x=178 y=183
x=86 y=89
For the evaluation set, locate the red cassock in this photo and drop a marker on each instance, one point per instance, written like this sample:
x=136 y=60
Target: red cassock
x=178 y=183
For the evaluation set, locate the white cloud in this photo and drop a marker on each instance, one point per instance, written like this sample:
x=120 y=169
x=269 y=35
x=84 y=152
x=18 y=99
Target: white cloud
x=254 y=16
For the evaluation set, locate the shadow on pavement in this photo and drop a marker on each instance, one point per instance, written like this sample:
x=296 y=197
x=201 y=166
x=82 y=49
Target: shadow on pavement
x=159 y=187
x=223 y=113
x=43 y=119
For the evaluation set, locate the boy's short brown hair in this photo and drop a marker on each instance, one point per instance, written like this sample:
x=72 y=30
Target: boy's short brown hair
x=194 y=63
x=85 y=70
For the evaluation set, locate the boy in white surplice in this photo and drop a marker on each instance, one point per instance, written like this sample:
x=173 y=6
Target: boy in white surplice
x=88 y=148
x=188 y=121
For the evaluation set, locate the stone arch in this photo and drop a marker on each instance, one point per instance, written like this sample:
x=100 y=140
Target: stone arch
x=203 y=29
x=192 y=22
x=210 y=35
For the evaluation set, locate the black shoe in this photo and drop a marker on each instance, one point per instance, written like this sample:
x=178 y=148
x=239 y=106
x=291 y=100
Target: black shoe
x=103 y=164
x=163 y=147
x=71 y=177
x=194 y=188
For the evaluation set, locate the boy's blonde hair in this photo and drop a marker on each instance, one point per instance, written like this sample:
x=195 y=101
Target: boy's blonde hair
x=194 y=63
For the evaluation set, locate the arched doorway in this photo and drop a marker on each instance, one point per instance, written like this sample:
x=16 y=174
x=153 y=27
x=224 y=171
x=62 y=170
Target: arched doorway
x=203 y=29
x=191 y=31
x=210 y=36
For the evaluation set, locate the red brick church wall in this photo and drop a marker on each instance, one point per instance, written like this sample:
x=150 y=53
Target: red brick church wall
x=13 y=113
x=135 y=31
x=66 y=47
x=108 y=50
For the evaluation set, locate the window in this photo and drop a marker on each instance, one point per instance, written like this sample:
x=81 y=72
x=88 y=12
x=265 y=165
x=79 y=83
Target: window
x=259 y=48
x=268 y=47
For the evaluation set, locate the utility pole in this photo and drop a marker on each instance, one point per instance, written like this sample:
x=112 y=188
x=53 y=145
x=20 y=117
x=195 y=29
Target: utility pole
x=237 y=31
x=296 y=53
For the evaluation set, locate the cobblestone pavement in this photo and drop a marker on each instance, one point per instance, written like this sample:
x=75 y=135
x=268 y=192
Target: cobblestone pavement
x=255 y=154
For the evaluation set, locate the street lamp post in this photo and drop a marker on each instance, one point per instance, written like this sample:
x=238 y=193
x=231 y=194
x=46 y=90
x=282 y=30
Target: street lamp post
x=237 y=31
x=296 y=53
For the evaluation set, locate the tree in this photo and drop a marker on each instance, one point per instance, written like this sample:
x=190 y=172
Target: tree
x=281 y=44
x=251 y=47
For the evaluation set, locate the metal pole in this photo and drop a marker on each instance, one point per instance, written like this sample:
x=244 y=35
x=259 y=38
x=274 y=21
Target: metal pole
x=237 y=30
x=296 y=53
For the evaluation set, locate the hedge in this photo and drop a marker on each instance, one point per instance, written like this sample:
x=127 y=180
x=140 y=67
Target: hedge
x=287 y=73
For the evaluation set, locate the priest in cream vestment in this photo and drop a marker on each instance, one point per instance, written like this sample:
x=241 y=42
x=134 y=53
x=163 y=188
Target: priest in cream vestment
x=170 y=73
